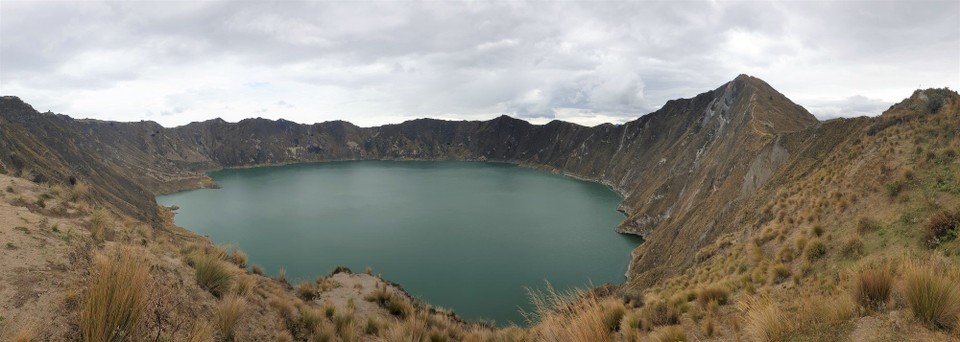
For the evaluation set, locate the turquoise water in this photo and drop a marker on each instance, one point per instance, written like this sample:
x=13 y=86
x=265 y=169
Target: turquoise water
x=461 y=235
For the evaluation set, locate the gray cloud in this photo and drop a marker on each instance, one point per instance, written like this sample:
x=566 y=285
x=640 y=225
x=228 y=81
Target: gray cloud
x=380 y=62
x=857 y=105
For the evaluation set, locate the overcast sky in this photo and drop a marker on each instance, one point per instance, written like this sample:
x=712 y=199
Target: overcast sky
x=385 y=62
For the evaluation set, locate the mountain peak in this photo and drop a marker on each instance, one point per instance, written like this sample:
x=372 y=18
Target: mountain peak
x=771 y=112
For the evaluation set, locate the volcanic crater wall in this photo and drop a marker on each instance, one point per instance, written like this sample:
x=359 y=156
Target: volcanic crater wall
x=685 y=171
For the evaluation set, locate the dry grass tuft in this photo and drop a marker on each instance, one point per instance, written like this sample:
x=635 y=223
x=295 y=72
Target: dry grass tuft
x=227 y=313
x=116 y=299
x=99 y=220
x=569 y=316
x=394 y=304
x=872 y=286
x=306 y=291
x=673 y=333
x=763 y=320
x=201 y=332
x=712 y=292
x=256 y=269
x=941 y=227
x=243 y=285
x=309 y=318
x=815 y=250
x=778 y=273
x=932 y=296
x=659 y=312
x=213 y=274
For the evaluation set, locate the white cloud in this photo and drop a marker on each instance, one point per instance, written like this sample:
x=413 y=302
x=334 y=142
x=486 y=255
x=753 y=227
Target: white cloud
x=374 y=63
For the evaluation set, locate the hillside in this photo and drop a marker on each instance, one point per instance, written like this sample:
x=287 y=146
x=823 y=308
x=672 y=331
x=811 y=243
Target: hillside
x=743 y=198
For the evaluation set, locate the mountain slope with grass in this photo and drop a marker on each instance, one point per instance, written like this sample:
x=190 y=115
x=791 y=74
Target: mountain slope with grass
x=761 y=223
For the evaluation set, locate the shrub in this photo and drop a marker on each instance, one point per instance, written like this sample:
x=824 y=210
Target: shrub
x=941 y=227
x=282 y=276
x=673 y=333
x=933 y=298
x=815 y=249
x=934 y=103
x=227 y=313
x=116 y=298
x=713 y=292
x=763 y=320
x=213 y=274
x=872 y=287
x=256 y=269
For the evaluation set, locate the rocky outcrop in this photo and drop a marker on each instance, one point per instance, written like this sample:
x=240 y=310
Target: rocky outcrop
x=685 y=171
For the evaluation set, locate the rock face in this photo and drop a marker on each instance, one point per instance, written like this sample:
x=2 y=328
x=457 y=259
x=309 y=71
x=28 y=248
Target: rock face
x=685 y=171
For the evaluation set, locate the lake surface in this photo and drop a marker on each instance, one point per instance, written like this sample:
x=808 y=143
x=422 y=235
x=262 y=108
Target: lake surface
x=462 y=235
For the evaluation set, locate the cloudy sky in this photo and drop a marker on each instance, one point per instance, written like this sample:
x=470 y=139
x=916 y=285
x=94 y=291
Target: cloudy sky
x=373 y=62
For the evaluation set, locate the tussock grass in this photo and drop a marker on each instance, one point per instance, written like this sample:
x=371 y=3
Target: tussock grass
x=658 y=313
x=373 y=326
x=78 y=192
x=394 y=304
x=99 y=220
x=866 y=225
x=323 y=331
x=309 y=318
x=239 y=258
x=243 y=285
x=116 y=298
x=256 y=269
x=763 y=320
x=631 y=325
x=778 y=273
x=941 y=227
x=932 y=296
x=227 y=314
x=712 y=292
x=306 y=291
x=673 y=333
x=201 y=332
x=213 y=274
x=820 y=310
x=568 y=316
x=815 y=250
x=872 y=286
